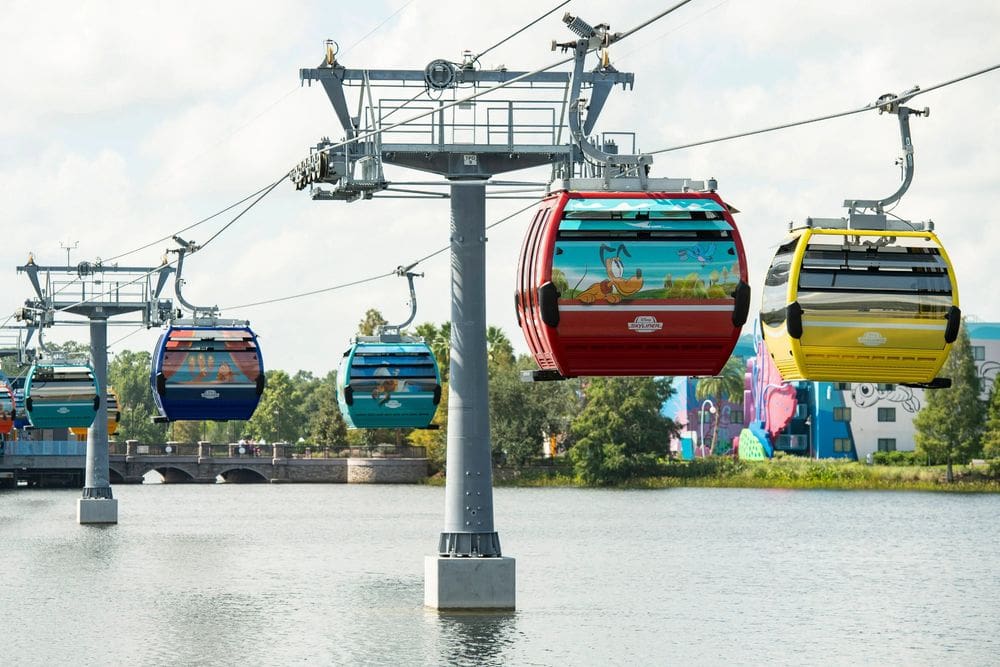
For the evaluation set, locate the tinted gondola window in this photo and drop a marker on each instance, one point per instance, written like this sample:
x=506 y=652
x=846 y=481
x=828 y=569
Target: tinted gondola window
x=907 y=278
x=775 y=295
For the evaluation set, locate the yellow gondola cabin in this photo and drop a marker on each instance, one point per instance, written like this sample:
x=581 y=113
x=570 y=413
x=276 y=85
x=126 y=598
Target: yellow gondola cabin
x=860 y=305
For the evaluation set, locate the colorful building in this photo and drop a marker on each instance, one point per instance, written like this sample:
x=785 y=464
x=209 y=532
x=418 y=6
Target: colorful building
x=815 y=419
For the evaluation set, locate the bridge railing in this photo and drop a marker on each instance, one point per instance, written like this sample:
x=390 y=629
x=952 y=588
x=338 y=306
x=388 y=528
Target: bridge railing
x=375 y=451
x=264 y=451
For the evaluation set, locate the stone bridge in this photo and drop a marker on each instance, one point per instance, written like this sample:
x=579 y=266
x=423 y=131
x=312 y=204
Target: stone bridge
x=179 y=463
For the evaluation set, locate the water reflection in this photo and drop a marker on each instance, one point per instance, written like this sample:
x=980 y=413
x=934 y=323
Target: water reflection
x=333 y=575
x=475 y=638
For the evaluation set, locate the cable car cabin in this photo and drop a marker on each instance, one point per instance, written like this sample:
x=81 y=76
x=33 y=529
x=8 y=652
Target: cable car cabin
x=853 y=305
x=388 y=384
x=207 y=373
x=7 y=409
x=114 y=416
x=632 y=283
x=60 y=395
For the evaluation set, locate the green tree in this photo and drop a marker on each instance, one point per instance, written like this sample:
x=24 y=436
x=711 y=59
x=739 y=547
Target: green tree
x=439 y=340
x=523 y=413
x=727 y=385
x=370 y=324
x=128 y=374
x=991 y=433
x=434 y=441
x=326 y=424
x=277 y=417
x=187 y=431
x=620 y=433
x=951 y=422
x=499 y=351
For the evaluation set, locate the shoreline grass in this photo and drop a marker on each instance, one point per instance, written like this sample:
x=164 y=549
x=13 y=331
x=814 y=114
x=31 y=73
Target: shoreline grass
x=786 y=473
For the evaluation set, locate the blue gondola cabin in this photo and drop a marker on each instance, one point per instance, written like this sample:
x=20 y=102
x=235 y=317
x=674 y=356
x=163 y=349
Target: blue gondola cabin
x=207 y=373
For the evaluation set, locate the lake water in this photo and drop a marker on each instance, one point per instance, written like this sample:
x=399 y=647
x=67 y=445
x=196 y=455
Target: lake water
x=333 y=574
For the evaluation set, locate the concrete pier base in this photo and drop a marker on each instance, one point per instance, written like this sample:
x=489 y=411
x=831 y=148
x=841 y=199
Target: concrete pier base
x=96 y=510
x=469 y=583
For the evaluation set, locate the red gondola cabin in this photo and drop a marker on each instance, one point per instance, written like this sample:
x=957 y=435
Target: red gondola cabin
x=632 y=283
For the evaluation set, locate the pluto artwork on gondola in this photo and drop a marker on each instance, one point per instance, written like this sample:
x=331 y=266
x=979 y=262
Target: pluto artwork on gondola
x=867 y=298
x=623 y=274
x=206 y=368
x=632 y=283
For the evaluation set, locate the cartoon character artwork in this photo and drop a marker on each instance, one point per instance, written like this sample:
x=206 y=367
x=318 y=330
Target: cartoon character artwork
x=702 y=253
x=867 y=394
x=385 y=385
x=202 y=368
x=616 y=285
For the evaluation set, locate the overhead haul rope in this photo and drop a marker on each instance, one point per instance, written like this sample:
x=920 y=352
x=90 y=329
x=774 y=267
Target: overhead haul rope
x=514 y=34
x=841 y=114
x=508 y=83
x=376 y=28
x=373 y=278
x=191 y=226
x=263 y=193
x=372 y=133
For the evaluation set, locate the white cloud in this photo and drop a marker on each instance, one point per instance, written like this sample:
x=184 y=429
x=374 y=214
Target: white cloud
x=132 y=120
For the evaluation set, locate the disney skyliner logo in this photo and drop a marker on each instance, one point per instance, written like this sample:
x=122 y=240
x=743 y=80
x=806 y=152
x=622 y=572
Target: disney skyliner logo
x=645 y=324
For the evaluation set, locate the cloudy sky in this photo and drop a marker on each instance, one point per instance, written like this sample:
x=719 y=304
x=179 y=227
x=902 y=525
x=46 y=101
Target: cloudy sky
x=123 y=122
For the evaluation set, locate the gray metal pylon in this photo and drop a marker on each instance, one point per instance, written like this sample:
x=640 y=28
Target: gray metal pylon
x=468 y=517
x=96 y=481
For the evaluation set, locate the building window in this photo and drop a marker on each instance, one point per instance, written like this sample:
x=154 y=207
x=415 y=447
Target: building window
x=842 y=386
x=842 y=414
x=886 y=387
x=841 y=444
x=978 y=352
x=887 y=444
x=887 y=414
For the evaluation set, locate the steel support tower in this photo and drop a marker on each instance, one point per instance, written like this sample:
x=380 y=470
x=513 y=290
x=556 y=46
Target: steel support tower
x=98 y=293
x=468 y=142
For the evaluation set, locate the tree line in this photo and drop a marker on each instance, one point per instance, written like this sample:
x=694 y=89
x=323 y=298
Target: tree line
x=610 y=428
x=957 y=424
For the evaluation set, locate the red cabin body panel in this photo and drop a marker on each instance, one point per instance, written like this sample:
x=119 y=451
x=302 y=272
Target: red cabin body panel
x=634 y=283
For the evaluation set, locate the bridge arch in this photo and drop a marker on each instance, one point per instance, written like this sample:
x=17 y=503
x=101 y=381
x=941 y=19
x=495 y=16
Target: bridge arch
x=238 y=475
x=173 y=475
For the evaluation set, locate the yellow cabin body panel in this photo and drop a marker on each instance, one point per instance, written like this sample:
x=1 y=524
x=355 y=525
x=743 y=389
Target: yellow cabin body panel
x=856 y=337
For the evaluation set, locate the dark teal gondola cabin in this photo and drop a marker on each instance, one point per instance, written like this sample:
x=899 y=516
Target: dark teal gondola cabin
x=61 y=395
x=388 y=384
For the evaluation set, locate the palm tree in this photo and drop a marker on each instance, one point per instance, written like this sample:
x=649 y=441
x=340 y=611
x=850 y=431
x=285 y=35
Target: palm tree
x=500 y=352
x=727 y=385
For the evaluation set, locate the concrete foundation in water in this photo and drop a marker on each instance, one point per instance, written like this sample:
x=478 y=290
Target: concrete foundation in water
x=469 y=583
x=96 y=510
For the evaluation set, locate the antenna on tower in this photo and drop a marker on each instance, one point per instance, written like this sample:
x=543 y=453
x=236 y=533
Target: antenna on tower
x=65 y=245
